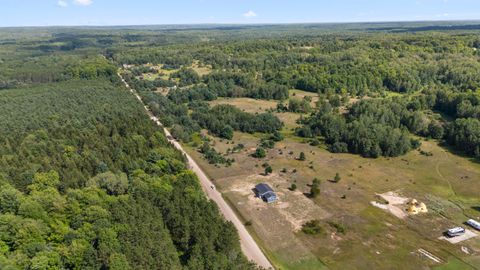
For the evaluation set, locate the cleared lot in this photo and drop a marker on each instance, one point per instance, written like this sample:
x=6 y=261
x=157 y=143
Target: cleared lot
x=357 y=234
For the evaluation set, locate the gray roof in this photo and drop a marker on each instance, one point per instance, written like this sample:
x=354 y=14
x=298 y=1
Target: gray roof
x=263 y=188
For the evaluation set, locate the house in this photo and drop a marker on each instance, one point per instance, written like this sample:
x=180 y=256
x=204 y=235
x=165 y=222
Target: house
x=266 y=193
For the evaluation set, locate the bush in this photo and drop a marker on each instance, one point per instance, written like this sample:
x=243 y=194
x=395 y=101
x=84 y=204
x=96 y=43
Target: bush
x=226 y=132
x=268 y=170
x=259 y=153
x=277 y=136
x=312 y=227
x=339 y=227
x=212 y=156
x=293 y=187
x=314 y=190
x=267 y=143
x=337 y=178
x=314 y=142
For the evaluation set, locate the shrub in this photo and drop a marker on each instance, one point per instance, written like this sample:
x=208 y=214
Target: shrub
x=312 y=227
x=314 y=191
x=337 y=178
x=259 y=153
x=267 y=143
x=276 y=136
x=314 y=142
x=338 y=226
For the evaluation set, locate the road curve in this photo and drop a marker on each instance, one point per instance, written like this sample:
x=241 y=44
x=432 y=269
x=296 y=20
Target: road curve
x=249 y=247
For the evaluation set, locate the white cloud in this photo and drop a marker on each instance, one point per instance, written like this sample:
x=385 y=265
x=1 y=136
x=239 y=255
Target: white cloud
x=83 y=2
x=443 y=15
x=62 y=3
x=250 y=14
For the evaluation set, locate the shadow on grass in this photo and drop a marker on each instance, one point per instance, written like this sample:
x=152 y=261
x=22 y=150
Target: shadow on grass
x=254 y=190
x=308 y=195
x=452 y=150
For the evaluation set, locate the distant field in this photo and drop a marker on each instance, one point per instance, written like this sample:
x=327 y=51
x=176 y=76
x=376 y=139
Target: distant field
x=294 y=93
x=249 y=105
x=165 y=73
x=201 y=69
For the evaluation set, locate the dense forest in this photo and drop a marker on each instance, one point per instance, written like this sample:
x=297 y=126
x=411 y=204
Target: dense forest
x=88 y=182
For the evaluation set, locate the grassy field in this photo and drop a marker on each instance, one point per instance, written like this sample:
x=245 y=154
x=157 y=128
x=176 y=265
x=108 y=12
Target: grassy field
x=454 y=264
x=373 y=238
x=249 y=105
x=201 y=69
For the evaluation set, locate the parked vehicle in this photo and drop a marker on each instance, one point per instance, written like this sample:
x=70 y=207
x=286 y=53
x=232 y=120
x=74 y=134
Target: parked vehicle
x=455 y=232
x=475 y=224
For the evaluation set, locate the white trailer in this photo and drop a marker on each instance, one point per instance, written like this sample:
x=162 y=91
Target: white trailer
x=474 y=224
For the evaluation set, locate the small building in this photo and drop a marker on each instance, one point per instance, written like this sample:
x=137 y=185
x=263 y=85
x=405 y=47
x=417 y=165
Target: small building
x=266 y=193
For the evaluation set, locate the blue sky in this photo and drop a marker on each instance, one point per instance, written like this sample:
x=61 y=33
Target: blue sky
x=137 y=12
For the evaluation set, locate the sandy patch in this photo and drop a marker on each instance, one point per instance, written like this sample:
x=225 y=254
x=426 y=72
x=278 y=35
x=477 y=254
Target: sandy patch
x=395 y=206
x=394 y=198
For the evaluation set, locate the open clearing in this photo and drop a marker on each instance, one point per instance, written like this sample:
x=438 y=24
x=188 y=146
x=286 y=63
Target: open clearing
x=295 y=93
x=165 y=73
x=201 y=69
x=447 y=183
x=249 y=105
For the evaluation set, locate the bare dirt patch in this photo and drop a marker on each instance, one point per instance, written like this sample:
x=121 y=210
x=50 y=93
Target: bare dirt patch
x=395 y=204
x=292 y=206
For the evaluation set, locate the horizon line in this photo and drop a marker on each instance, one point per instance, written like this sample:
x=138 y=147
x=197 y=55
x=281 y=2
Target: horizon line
x=236 y=23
